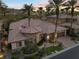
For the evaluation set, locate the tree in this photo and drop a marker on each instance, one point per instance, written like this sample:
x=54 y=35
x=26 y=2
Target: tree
x=57 y=3
x=6 y=25
x=67 y=9
x=28 y=9
x=3 y=8
x=72 y=4
x=1 y=5
x=40 y=12
x=30 y=47
x=48 y=9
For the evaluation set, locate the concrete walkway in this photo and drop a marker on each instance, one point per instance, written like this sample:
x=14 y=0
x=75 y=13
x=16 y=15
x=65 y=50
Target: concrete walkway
x=66 y=42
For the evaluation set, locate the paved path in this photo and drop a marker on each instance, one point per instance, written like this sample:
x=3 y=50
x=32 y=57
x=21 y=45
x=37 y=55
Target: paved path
x=66 y=42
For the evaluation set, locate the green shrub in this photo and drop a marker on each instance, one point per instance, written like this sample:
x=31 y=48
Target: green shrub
x=51 y=49
x=15 y=54
x=29 y=48
x=41 y=52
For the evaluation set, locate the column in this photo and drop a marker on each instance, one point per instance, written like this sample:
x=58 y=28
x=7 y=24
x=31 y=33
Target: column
x=65 y=33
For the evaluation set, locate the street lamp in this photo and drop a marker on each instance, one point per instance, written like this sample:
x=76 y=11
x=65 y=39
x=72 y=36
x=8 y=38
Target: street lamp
x=48 y=37
x=55 y=35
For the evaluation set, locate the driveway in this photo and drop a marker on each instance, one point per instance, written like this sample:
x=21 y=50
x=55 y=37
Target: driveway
x=66 y=41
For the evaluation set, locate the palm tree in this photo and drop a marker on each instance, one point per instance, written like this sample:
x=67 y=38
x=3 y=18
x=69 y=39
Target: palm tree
x=67 y=9
x=1 y=3
x=1 y=6
x=57 y=3
x=4 y=9
x=48 y=10
x=72 y=4
x=28 y=9
x=40 y=12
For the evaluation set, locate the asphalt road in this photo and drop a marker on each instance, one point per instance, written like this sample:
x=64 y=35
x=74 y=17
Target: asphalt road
x=72 y=53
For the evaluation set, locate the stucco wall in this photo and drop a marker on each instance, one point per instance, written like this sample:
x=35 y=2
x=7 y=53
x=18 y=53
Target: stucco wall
x=14 y=45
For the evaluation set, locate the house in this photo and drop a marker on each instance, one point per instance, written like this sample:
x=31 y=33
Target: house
x=63 y=18
x=23 y=30
x=68 y=25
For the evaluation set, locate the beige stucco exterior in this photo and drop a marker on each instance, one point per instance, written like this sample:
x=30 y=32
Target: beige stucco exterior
x=32 y=32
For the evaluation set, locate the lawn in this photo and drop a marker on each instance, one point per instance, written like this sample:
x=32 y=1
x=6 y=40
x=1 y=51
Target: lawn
x=51 y=49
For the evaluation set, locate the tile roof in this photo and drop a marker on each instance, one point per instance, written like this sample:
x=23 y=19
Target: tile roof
x=35 y=27
x=74 y=26
x=62 y=16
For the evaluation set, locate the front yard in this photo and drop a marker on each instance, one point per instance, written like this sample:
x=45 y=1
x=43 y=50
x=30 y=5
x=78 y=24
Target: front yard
x=35 y=54
x=53 y=49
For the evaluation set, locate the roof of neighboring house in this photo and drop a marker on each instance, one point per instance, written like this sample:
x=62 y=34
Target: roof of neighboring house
x=62 y=16
x=35 y=27
x=74 y=26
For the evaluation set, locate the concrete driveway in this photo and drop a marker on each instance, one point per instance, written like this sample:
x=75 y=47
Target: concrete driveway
x=66 y=41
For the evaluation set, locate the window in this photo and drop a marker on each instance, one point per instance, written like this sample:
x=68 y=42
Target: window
x=18 y=44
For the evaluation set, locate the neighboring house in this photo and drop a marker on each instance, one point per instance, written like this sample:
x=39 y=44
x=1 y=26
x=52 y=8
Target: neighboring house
x=68 y=25
x=21 y=31
x=63 y=18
